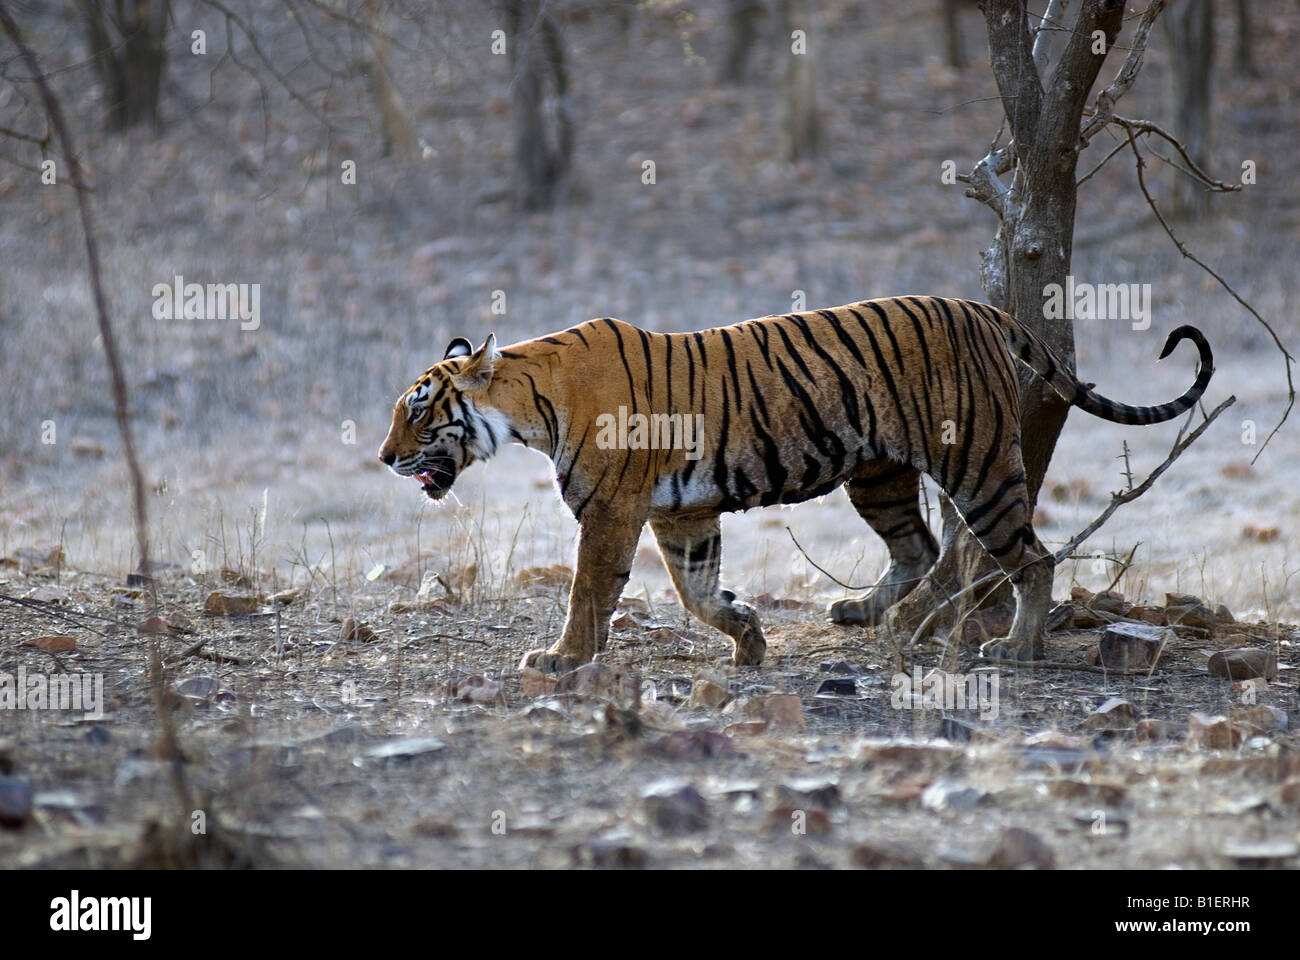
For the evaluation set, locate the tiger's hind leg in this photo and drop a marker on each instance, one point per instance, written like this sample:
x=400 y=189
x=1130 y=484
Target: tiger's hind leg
x=885 y=494
x=692 y=552
x=998 y=515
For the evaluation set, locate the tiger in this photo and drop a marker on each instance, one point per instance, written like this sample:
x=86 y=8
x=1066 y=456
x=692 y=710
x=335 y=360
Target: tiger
x=870 y=395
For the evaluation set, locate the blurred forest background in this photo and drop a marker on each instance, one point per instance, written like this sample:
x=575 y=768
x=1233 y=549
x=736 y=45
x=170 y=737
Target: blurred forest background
x=503 y=186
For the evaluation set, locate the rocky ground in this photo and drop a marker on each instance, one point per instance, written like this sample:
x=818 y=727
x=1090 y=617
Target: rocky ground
x=389 y=727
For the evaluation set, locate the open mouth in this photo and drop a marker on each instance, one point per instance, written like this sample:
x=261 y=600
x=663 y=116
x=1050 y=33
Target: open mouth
x=437 y=480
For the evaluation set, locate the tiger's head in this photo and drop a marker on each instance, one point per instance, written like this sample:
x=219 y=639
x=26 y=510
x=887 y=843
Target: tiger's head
x=438 y=427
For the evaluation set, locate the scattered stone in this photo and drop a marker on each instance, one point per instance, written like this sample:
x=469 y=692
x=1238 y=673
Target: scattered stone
x=609 y=854
x=1109 y=601
x=123 y=602
x=16 y=802
x=1018 y=848
x=1249 y=688
x=1290 y=793
x=781 y=711
x=236 y=577
x=1152 y=615
x=535 y=683
x=601 y=681
x=198 y=688
x=286 y=597
x=476 y=689
x=1223 y=614
x=909 y=757
x=47 y=594
x=1259 y=534
x=951 y=795
x=1053 y=750
x=1102 y=822
x=156 y=625
x=1102 y=791
x=746 y=728
x=1115 y=714
x=1271 y=768
x=1132 y=646
x=354 y=631
x=1262 y=718
x=1212 y=733
x=1244 y=663
x=1085 y=619
x=404 y=747
x=1262 y=853
x=885 y=855
x=1188 y=611
x=1151 y=729
x=824 y=794
x=694 y=745
x=838 y=687
x=709 y=691
x=58 y=644
x=676 y=809
x=434 y=827
x=800 y=821
x=220 y=604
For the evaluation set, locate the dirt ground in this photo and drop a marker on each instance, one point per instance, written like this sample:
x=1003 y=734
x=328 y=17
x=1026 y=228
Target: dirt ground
x=423 y=745
x=411 y=740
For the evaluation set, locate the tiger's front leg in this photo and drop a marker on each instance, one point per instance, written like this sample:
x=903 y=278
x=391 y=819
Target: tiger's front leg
x=606 y=546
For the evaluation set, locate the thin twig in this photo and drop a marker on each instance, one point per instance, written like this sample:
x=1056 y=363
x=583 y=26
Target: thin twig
x=54 y=114
x=1117 y=500
x=1290 y=383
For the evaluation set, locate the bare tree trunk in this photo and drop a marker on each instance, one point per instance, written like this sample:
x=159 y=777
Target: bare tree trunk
x=742 y=26
x=399 y=137
x=952 y=30
x=1244 y=55
x=802 y=124
x=125 y=39
x=543 y=138
x=1189 y=27
x=1031 y=250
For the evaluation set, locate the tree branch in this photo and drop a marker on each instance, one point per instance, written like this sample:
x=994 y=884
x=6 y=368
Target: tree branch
x=1124 y=77
x=1286 y=355
x=54 y=115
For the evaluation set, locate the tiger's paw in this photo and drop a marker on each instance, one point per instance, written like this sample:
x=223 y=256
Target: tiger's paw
x=852 y=611
x=548 y=662
x=1008 y=648
x=750 y=649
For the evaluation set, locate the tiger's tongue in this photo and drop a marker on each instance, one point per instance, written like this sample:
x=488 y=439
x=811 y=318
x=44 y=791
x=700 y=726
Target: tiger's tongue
x=425 y=478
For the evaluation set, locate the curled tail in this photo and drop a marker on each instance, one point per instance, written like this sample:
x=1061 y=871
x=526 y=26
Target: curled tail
x=1036 y=355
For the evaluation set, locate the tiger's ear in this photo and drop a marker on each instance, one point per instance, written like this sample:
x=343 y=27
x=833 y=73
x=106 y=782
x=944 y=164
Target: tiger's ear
x=477 y=373
x=460 y=347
